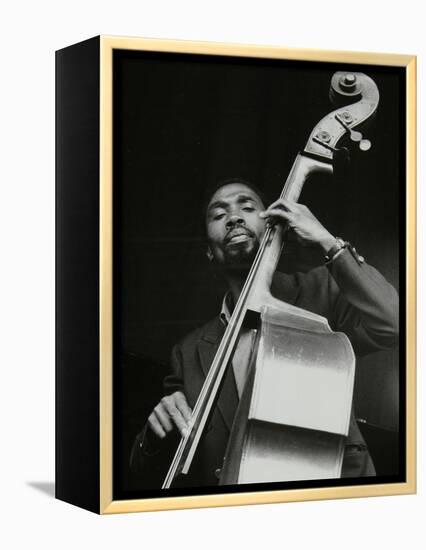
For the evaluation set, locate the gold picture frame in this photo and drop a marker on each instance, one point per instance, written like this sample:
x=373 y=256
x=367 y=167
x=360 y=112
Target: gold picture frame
x=106 y=504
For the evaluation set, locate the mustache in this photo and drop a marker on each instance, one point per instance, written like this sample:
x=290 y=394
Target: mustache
x=238 y=231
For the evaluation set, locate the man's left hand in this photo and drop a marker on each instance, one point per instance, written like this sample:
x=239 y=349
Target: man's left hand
x=300 y=219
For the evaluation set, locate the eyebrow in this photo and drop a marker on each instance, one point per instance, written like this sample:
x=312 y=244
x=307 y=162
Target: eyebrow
x=223 y=204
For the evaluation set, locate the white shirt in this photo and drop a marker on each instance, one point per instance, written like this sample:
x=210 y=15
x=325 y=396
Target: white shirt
x=244 y=349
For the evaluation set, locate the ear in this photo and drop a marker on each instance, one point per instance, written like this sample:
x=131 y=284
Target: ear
x=209 y=254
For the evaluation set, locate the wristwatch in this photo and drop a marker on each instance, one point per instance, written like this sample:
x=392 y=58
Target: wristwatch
x=338 y=248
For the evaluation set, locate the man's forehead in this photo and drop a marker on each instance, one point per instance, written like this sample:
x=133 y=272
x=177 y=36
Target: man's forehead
x=234 y=191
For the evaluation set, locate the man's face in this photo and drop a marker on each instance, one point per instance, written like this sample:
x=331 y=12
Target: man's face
x=234 y=228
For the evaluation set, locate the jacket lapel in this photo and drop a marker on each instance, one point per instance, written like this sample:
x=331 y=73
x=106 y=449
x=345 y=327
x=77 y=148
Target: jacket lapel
x=207 y=347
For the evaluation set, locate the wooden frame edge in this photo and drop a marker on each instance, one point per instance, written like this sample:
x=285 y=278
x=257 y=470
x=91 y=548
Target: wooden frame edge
x=411 y=176
x=106 y=503
x=263 y=497
x=250 y=50
x=105 y=276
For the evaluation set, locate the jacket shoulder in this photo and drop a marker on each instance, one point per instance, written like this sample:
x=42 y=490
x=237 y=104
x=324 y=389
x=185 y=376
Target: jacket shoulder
x=210 y=331
x=291 y=286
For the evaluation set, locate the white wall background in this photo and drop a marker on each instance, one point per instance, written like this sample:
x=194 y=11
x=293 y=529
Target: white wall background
x=29 y=34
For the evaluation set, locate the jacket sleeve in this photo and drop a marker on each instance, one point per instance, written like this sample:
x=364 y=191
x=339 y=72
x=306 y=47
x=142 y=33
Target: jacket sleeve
x=362 y=304
x=174 y=381
x=151 y=457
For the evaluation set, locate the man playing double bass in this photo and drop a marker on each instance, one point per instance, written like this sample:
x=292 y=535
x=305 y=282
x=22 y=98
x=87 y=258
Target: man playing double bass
x=352 y=295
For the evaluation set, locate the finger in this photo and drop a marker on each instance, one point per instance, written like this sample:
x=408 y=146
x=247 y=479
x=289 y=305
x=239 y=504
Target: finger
x=276 y=213
x=184 y=408
x=155 y=426
x=163 y=417
x=176 y=416
x=179 y=421
x=285 y=204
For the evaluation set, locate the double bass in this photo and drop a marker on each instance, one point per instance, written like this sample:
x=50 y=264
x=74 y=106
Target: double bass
x=293 y=417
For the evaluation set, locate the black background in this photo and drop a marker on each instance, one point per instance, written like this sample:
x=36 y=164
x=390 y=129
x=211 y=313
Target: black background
x=180 y=123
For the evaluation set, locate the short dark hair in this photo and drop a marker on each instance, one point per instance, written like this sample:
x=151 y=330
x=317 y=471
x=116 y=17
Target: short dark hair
x=217 y=184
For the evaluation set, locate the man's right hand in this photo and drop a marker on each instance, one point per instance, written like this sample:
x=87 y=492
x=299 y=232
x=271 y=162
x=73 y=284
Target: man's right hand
x=171 y=412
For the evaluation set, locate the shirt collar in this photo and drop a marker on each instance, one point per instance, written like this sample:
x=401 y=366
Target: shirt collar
x=225 y=313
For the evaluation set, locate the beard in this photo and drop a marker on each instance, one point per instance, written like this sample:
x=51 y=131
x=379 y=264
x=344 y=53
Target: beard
x=239 y=259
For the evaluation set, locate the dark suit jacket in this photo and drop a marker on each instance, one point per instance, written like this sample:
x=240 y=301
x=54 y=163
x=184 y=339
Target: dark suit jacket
x=354 y=298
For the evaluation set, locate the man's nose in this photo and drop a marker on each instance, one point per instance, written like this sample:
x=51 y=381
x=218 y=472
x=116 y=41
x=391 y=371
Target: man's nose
x=234 y=219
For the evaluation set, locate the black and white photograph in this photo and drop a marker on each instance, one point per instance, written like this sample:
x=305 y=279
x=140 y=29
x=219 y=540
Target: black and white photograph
x=259 y=260
x=212 y=270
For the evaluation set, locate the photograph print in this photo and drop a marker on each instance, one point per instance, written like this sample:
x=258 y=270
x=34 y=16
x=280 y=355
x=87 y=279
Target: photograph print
x=258 y=267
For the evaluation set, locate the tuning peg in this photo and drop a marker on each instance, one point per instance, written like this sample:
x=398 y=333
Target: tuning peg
x=355 y=136
x=365 y=144
x=345 y=118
